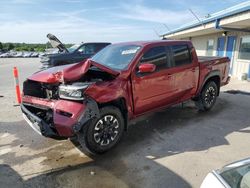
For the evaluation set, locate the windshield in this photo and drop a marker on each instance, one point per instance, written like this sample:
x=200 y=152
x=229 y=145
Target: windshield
x=116 y=56
x=238 y=177
x=73 y=48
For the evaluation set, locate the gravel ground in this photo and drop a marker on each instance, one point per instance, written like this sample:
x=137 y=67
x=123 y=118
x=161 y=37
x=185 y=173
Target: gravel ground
x=176 y=147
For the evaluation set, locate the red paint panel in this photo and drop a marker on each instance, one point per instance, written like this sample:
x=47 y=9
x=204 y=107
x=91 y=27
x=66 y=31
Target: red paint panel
x=68 y=72
x=63 y=124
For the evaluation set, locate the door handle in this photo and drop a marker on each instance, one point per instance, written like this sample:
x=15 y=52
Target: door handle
x=193 y=69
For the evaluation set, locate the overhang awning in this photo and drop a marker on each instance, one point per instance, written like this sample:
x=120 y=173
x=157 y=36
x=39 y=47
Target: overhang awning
x=238 y=22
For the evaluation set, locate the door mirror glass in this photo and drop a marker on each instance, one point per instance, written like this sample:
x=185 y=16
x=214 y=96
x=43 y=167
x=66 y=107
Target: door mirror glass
x=146 y=68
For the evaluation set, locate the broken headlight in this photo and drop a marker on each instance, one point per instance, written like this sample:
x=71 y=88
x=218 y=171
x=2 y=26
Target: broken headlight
x=72 y=92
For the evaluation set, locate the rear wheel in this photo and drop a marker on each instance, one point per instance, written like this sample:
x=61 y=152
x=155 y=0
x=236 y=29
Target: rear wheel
x=207 y=97
x=103 y=133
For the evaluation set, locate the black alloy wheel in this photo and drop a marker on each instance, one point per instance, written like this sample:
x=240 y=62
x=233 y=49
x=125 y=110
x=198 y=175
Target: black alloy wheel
x=207 y=96
x=101 y=134
x=106 y=130
x=210 y=95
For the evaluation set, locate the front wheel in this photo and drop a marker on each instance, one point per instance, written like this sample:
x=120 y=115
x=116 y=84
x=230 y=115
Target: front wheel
x=207 y=97
x=103 y=133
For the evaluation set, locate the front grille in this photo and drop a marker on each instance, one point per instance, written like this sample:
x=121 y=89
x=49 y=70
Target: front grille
x=32 y=88
x=40 y=90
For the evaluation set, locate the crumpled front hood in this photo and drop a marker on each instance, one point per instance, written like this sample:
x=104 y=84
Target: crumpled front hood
x=68 y=73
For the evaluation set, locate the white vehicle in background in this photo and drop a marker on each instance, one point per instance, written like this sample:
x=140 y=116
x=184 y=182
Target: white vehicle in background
x=4 y=55
x=12 y=53
x=41 y=54
x=19 y=54
x=34 y=54
x=234 y=175
x=26 y=54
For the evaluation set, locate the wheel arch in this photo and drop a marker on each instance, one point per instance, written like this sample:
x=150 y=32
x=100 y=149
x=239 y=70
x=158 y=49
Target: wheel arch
x=122 y=105
x=212 y=76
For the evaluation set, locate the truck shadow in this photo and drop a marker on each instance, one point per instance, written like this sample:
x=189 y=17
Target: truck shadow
x=79 y=176
x=183 y=129
x=133 y=162
x=235 y=92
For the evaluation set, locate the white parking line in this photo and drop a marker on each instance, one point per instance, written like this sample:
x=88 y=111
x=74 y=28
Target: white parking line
x=5 y=135
x=4 y=151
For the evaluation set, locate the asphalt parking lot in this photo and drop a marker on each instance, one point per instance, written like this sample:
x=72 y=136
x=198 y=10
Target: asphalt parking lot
x=176 y=147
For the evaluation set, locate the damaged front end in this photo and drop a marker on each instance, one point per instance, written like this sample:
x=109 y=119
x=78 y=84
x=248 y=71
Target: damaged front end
x=58 y=119
x=60 y=109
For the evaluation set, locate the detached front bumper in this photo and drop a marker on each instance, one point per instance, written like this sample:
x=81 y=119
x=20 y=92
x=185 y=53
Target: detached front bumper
x=38 y=125
x=68 y=117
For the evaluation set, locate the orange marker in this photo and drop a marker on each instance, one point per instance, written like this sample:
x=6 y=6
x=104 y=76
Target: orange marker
x=18 y=93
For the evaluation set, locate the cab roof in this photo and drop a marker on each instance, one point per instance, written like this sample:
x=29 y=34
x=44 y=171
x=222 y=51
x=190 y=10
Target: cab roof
x=145 y=43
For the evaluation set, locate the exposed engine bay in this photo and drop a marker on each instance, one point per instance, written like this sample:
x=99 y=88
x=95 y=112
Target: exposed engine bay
x=56 y=90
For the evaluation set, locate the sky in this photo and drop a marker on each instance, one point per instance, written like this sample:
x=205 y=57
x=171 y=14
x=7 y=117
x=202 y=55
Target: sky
x=75 y=21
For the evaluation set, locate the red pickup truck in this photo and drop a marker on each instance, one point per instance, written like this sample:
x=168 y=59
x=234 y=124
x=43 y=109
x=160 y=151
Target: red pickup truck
x=94 y=100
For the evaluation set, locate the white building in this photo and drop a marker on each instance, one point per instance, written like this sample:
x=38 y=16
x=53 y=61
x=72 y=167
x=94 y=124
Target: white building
x=225 y=33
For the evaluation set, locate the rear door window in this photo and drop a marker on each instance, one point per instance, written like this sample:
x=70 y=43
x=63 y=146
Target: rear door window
x=181 y=55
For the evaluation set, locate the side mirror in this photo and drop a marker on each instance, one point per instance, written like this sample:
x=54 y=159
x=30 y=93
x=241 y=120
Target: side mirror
x=147 y=68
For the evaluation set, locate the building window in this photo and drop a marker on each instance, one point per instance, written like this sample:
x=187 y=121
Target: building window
x=244 y=51
x=210 y=47
x=181 y=55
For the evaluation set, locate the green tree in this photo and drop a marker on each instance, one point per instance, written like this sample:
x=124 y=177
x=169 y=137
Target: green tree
x=1 y=46
x=48 y=45
x=10 y=46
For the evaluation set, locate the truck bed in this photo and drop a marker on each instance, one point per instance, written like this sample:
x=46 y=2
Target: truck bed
x=209 y=64
x=203 y=59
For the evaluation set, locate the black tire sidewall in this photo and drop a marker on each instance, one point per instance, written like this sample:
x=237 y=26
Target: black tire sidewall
x=209 y=84
x=89 y=130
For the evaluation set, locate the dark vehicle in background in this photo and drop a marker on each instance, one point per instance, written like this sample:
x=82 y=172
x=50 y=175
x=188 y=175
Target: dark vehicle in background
x=74 y=54
x=95 y=99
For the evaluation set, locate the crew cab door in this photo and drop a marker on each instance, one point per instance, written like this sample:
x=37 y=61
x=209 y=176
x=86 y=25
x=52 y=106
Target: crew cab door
x=155 y=89
x=185 y=72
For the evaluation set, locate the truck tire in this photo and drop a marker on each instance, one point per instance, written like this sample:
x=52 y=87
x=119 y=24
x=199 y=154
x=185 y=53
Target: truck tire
x=101 y=134
x=207 y=97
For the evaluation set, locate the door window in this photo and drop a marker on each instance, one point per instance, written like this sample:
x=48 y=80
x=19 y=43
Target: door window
x=157 y=56
x=181 y=55
x=87 y=49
